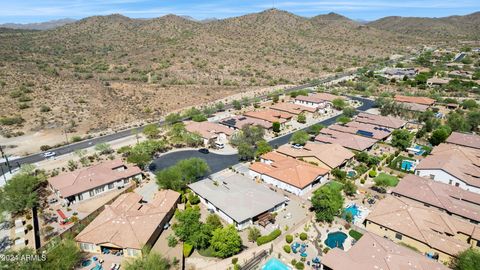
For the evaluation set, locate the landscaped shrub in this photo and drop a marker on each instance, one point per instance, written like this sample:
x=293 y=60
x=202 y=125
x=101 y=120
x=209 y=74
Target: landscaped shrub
x=372 y=173
x=269 y=237
x=289 y=238
x=385 y=180
x=355 y=235
x=287 y=248
x=293 y=262
x=299 y=266
x=29 y=227
x=193 y=199
x=303 y=236
x=325 y=250
x=234 y=260
x=187 y=249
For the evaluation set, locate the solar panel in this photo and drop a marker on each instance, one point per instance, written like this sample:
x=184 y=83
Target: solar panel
x=365 y=133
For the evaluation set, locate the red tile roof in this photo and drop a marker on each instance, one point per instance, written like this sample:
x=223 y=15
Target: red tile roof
x=464 y=139
x=417 y=100
x=72 y=183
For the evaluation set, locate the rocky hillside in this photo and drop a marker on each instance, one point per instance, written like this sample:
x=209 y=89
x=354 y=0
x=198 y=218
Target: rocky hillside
x=440 y=28
x=104 y=71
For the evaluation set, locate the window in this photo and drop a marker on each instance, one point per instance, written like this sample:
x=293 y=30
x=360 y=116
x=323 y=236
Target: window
x=450 y=182
x=99 y=190
x=398 y=236
x=478 y=243
x=132 y=252
x=110 y=186
x=457 y=184
x=80 y=197
x=92 y=193
x=125 y=181
x=86 y=246
x=432 y=176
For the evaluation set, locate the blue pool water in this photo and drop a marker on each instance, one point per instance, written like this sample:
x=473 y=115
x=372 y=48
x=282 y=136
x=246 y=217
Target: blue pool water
x=407 y=165
x=86 y=263
x=421 y=151
x=336 y=240
x=354 y=210
x=274 y=264
x=351 y=174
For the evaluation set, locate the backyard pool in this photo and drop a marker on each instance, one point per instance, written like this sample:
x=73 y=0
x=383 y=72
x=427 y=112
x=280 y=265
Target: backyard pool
x=354 y=210
x=408 y=165
x=351 y=173
x=274 y=264
x=336 y=240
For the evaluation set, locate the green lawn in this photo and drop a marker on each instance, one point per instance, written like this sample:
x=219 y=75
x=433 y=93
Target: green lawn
x=355 y=234
x=385 y=180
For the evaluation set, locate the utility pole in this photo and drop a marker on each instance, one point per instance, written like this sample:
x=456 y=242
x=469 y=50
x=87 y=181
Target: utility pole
x=66 y=137
x=6 y=159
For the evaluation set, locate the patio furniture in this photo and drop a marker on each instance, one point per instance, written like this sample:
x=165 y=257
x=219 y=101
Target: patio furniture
x=113 y=266
x=304 y=254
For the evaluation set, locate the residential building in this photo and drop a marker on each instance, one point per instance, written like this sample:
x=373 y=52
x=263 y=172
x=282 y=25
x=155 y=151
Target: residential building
x=320 y=101
x=446 y=198
x=328 y=156
x=460 y=74
x=436 y=234
x=417 y=100
x=89 y=182
x=270 y=116
x=287 y=173
x=363 y=129
x=237 y=199
x=292 y=108
x=464 y=139
x=380 y=120
x=238 y=121
x=212 y=133
x=347 y=140
x=375 y=252
x=454 y=165
x=129 y=224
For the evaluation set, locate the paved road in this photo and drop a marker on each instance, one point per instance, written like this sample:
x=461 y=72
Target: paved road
x=128 y=132
x=219 y=162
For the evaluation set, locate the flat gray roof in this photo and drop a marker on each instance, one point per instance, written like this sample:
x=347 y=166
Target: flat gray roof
x=238 y=196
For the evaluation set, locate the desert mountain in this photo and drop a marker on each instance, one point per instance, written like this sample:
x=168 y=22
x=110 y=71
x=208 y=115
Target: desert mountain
x=104 y=71
x=467 y=26
x=38 y=26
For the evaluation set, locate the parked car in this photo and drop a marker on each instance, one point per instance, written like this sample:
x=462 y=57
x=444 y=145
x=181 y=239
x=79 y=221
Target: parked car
x=204 y=151
x=297 y=146
x=379 y=189
x=219 y=145
x=49 y=154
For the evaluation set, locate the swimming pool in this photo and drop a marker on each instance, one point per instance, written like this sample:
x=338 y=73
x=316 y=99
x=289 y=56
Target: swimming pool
x=351 y=173
x=336 y=240
x=354 y=210
x=274 y=264
x=408 y=165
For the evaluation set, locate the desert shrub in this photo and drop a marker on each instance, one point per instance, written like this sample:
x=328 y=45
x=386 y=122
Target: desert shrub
x=303 y=236
x=287 y=249
x=299 y=266
x=372 y=173
x=289 y=238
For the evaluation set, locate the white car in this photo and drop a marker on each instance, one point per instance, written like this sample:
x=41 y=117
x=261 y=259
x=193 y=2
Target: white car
x=49 y=154
x=297 y=146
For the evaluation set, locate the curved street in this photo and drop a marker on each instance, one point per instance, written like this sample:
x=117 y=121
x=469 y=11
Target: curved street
x=218 y=162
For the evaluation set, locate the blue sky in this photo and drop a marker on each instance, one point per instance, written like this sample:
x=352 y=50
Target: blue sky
x=25 y=11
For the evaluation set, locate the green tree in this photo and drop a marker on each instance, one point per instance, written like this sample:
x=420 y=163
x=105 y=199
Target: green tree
x=276 y=127
x=457 y=122
x=213 y=221
x=339 y=103
x=148 y=260
x=226 y=242
x=188 y=224
x=300 y=137
x=151 y=131
x=170 y=178
x=182 y=173
x=350 y=188
x=468 y=259
x=301 y=118
x=19 y=193
x=315 y=129
x=237 y=105
x=402 y=139
x=250 y=134
x=473 y=120
x=63 y=255
x=349 y=112
x=439 y=135
x=103 y=148
x=246 y=151
x=327 y=202
x=343 y=119
x=253 y=234
x=469 y=104
x=262 y=147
